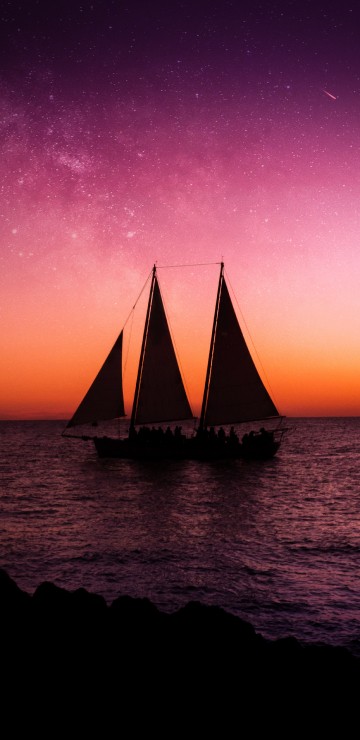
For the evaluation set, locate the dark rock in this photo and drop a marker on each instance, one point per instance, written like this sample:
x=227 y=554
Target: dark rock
x=134 y=610
x=132 y=646
x=51 y=599
x=12 y=599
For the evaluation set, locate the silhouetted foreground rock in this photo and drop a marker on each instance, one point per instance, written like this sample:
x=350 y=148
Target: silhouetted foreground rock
x=131 y=648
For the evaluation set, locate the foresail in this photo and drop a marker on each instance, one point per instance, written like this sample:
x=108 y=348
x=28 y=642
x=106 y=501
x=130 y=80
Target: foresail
x=104 y=399
x=236 y=391
x=162 y=396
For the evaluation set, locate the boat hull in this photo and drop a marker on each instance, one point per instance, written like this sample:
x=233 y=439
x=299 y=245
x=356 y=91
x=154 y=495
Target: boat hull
x=257 y=447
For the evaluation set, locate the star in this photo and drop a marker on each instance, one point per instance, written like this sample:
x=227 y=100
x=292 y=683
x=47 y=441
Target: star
x=330 y=95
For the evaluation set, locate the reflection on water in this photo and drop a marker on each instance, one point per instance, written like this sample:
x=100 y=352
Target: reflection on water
x=276 y=542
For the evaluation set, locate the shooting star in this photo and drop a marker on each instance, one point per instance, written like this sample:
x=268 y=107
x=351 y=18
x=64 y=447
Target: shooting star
x=330 y=95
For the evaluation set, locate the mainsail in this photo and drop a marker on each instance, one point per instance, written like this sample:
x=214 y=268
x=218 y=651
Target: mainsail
x=235 y=391
x=104 y=399
x=161 y=393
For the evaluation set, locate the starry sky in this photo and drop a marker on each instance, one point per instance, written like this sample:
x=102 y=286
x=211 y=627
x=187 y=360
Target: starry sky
x=179 y=132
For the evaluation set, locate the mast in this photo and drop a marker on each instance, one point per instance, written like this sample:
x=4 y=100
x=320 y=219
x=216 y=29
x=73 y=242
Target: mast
x=142 y=352
x=211 y=351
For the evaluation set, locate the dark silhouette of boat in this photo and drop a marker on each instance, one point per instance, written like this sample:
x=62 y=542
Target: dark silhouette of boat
x=234 y=393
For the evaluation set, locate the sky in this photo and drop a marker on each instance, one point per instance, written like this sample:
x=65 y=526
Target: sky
x=179 y=133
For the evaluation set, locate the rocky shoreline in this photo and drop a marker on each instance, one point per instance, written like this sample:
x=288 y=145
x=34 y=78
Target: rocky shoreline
x=137 y=618
x=130 y=646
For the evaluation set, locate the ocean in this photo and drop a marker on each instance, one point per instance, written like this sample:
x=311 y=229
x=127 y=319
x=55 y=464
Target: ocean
x=276 y=542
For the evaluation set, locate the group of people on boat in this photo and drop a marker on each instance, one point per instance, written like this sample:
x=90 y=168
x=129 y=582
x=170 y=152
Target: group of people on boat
x=156 y=436
x=217 y=438
x=215 y=442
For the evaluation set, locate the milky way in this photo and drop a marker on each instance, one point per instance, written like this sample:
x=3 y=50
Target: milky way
x=179 y=132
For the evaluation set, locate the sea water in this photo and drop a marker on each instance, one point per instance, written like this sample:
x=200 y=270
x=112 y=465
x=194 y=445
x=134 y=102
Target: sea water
x=276 y=542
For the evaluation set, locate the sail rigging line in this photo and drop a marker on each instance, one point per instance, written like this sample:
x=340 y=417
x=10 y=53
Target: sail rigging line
x=211 y=351
x=251 y=339
x=131 y=315
x=177 y=355
x=138 y=298
x=142 y=352
x=129 y=341
x=188 y=264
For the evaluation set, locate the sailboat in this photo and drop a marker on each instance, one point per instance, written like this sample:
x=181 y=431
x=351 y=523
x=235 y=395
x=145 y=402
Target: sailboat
x=233 y=393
